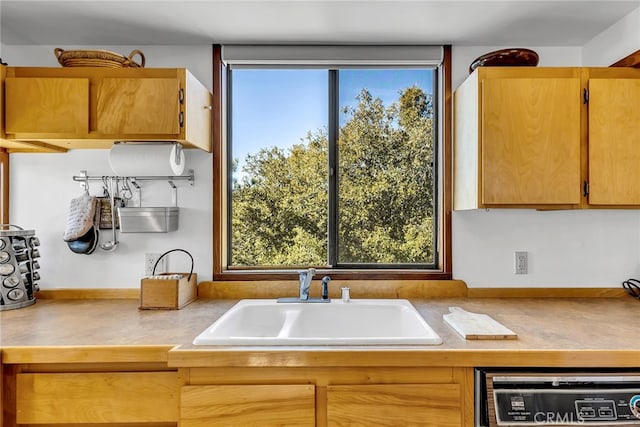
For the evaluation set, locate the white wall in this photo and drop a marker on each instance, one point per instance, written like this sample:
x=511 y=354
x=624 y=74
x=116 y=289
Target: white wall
x=42 y=187
x=582 y=248
x=463 y=56
x=566 y=249
x=613 y=44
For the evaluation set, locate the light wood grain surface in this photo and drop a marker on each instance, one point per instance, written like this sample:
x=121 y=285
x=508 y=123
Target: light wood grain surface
x=110 y=397
x=614 y=152
x=248 y=405
x=394 y=405
x=551 y=331
x=153 y=108
x=37 y=105
x=531 y=146
x=358 y=289
x=104 y=104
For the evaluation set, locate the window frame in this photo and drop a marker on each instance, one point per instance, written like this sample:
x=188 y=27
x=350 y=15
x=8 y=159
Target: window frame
x=221 y=206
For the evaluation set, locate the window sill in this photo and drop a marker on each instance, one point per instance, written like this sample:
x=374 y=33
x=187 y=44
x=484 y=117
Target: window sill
x=363 y=288
x=335 y=274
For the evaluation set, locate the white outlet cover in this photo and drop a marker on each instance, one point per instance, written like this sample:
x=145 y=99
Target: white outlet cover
x=521 y=262
x=149 y=262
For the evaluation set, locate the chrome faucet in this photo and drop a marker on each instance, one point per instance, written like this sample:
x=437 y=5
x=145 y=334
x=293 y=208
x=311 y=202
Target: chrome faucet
x=305 y=283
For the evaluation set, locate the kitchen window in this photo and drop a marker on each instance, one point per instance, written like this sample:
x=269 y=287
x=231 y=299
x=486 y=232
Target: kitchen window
x=332 y=158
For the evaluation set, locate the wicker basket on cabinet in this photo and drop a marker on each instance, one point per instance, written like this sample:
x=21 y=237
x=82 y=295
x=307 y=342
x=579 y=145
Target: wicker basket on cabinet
x=98 y=58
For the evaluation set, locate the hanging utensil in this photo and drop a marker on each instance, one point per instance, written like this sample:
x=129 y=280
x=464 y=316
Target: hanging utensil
x=113 y=243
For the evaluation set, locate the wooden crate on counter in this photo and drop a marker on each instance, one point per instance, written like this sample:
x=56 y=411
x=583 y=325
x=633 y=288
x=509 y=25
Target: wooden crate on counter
x=169 y=293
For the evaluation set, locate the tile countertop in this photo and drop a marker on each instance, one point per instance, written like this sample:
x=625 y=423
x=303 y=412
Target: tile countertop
x=551 y=332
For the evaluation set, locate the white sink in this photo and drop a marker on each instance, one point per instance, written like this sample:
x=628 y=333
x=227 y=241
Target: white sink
x=357 y=322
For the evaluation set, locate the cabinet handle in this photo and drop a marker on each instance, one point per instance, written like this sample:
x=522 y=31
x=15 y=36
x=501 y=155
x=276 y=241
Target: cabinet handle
x=181 y=96
x=181 y=119
x=585 y=96
x=585 y=189
x=208 y=107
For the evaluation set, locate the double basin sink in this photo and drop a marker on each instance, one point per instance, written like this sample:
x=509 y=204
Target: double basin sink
x=356 y=322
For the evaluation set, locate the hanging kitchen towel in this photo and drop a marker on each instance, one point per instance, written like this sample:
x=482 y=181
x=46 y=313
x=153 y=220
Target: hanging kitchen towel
x=80 y=220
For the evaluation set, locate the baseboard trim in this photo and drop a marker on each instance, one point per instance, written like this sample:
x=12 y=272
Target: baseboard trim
x=89 y=293
x=409 y=289
x=546 y=293
x=358 y=289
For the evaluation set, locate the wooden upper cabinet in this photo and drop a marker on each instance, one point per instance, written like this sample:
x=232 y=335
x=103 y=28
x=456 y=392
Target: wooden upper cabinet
x=2 y=77
x=547 y=138
x=80 y=107
x=138 y=106
x=517 y=138
x=614 y=141
x=530 y=143
x=6 y=144
x=47 y=105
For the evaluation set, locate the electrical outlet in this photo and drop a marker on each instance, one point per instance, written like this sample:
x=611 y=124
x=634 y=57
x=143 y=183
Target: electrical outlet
x=521 y=263
x=150 y=261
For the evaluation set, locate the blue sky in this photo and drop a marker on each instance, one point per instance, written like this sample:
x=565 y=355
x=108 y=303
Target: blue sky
x=278 y=107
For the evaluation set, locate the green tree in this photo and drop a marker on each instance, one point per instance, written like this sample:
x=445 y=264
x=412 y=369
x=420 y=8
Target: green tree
x=385 y=196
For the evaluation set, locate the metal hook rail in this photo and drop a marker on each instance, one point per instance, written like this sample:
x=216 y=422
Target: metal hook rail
x=84 y=179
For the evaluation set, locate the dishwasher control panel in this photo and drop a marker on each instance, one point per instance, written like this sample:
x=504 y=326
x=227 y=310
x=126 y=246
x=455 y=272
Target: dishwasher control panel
x=556 y=398
x=566 y=407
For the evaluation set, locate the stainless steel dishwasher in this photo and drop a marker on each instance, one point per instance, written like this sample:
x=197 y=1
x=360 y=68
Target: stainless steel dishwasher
x=568 y=397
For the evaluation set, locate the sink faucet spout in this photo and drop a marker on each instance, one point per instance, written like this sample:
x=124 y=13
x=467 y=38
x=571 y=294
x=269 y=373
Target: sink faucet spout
x=305 y=283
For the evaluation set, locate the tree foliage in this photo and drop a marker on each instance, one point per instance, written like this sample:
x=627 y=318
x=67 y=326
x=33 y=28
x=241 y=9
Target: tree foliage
x=385 y=191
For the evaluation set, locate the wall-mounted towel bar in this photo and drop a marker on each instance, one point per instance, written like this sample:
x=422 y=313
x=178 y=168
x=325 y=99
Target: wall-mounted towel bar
x=84 y=178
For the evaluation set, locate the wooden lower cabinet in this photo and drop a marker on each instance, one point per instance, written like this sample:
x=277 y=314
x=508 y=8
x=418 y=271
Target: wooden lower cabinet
x=152 y=395
x=394 y=405
x=105 y=397
x=87 y=395
x=335 y=397
x=247 y=405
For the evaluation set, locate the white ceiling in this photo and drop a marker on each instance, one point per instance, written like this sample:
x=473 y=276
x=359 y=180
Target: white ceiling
x=160 y=22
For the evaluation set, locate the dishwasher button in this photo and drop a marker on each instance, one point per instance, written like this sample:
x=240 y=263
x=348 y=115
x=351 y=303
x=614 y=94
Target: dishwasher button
x=587 y=412
x=605 y=412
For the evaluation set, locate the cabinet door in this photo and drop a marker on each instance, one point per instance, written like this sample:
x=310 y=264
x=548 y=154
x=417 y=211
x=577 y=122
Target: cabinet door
x=138 y=106
x=437 y=405
x=247 y=405
x=2 y=134
x=614 y=141
x=47 y=105
x=104 y=397
x=530 y=144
